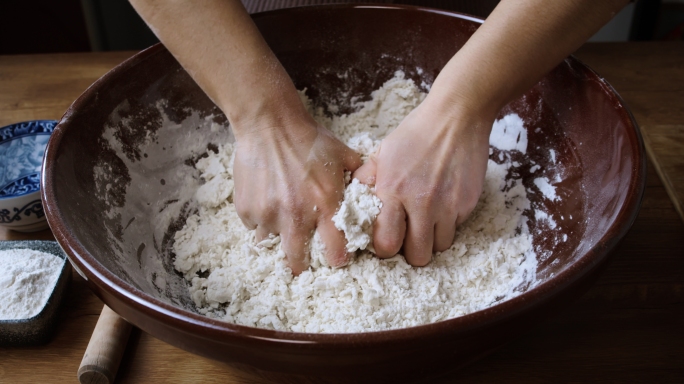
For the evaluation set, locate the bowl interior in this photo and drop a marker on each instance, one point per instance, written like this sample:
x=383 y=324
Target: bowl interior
x=123 y=176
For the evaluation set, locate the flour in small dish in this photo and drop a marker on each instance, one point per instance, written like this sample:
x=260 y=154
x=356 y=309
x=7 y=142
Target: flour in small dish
x=233 y=277
x=27 y=279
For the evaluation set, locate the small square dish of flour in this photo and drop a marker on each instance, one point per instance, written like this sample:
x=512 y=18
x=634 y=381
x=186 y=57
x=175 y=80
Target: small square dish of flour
x=33 y=279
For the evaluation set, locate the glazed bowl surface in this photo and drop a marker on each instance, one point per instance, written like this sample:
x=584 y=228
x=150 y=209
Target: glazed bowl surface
x=22 y=146
x=119 y=182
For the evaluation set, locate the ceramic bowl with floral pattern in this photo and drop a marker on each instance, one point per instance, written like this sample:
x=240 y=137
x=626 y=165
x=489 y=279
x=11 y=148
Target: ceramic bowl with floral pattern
x=22 y=146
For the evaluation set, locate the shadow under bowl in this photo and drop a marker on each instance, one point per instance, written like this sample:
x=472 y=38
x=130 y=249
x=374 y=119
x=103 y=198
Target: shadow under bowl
x=119 y=182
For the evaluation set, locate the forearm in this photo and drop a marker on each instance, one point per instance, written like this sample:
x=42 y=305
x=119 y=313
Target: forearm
x=219 y=45
x=520 y=42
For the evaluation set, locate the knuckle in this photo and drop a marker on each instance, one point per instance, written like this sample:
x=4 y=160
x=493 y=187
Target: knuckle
x=428 y=197
x=392 y=186
x=242 y=210
x=294 y=214
x=265 y=209
x=337 y=258
x=268 y=216
x=387 y=244
x=442 y=245
x=471 y=200
x=269 y=208
x=289 y=205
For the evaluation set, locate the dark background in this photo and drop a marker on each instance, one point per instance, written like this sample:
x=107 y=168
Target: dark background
x=48 y=26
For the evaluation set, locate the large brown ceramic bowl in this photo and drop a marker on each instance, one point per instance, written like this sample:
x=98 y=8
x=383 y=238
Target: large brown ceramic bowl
x=119 y=180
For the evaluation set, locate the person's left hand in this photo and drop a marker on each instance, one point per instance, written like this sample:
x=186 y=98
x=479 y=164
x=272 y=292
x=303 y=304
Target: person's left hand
x=289 y=181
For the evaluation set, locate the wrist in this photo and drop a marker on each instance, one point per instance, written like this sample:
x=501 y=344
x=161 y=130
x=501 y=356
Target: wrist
x=460 y=96
x=457 y=116
x=275 y=115
x=272 y=124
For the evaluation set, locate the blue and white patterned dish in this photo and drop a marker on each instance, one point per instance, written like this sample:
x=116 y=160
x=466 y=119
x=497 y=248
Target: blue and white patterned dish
x=22 y=146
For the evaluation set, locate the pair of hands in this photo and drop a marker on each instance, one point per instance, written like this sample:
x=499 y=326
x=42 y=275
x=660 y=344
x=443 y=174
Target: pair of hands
x=428 y=173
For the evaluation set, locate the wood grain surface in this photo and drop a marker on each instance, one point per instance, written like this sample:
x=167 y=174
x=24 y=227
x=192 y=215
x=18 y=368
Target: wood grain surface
x=629 y=328
x=665 y=146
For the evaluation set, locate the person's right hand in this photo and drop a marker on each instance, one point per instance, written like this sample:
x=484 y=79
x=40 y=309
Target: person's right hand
x=289 y=181
x=429 y=174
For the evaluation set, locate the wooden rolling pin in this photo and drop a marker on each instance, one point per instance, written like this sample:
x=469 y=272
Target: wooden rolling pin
x=105 y=349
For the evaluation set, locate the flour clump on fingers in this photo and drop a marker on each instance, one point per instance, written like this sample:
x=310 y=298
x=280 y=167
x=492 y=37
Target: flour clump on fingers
x=233 y=277
x=356 y=215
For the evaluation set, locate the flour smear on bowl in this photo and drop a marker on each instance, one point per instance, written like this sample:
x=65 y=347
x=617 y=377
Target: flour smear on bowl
x=234 y=278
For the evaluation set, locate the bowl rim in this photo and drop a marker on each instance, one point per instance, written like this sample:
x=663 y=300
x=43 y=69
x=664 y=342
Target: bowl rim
x=23 y=195
x=205 y=327
x=31 y=121
x=3 y=141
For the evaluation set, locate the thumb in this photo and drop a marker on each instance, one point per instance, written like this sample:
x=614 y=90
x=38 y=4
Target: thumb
x=367 y=172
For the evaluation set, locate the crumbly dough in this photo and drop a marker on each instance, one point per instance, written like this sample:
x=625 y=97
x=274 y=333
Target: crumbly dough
x=356 y=215
x=233 y=277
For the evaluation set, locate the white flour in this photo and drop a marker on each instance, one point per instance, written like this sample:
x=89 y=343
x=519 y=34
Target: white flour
x=545 y=187
x=27 y=278
x=233 y=278
x=509 y=134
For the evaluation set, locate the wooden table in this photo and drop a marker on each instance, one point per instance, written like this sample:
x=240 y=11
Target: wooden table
x=628 y=328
